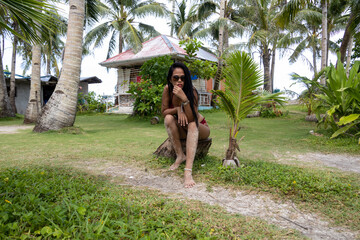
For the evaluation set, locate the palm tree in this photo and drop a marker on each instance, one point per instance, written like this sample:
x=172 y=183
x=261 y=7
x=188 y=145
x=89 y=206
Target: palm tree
x=242 y=78
x=352 y=24
x=34 y=105
x=28 y=15
x=51 y=48
x=33 y=108
x=293 y=7
x=259 y=18
x=220 y=30
x=122 y=26
x=187 y=20
x=60 y=110
x=13 y=68
x=307 y=25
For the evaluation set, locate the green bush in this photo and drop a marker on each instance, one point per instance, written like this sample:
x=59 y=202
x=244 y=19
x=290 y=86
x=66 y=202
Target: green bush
x=156 y=69
x=90 y=103
x=340 y=97
x=200 y=68
x=147 y=97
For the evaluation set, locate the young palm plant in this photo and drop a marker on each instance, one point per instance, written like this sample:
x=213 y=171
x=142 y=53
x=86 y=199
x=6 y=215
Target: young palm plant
x=242 y=79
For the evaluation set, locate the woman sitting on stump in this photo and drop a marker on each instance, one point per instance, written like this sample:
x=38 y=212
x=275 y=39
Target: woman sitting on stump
x=182 y=120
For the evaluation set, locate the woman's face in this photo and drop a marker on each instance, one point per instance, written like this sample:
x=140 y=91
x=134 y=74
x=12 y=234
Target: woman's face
x=178 y=77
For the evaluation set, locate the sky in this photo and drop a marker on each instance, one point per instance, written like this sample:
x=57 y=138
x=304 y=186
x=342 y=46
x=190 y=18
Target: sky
x=90 y=64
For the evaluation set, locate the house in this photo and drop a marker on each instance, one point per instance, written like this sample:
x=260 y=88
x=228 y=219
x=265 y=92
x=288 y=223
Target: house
x=48 y=84
x=128 y=66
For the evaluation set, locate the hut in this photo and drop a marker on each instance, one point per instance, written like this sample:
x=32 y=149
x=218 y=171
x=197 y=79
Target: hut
x=48 y=84
x=128 y=66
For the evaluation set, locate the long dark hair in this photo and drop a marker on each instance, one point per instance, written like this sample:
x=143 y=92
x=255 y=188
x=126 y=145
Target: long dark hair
x=188 y=87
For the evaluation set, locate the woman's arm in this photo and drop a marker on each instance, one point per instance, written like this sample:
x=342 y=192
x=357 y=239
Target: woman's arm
x=165 y=108
x=187 y=109
x=185 y=103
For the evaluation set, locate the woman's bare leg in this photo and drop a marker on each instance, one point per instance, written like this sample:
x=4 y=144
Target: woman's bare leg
x=191 y=146
x=204 y=131
x=174 y=135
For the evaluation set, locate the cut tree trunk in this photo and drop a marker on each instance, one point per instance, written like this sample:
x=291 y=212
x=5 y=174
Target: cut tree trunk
x=166 y=149
x=231 y=159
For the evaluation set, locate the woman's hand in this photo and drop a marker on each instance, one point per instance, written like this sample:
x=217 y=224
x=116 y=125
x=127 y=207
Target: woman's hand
x=182 y=119
x=177 y=91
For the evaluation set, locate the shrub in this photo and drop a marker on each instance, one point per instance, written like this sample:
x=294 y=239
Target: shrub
x=201 y=69
x=90 y=103
x=156 y=69
x=147 y=97
x=340 y=96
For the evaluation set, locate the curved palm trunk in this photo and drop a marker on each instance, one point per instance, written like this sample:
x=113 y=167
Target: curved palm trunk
x=60 y=111
x=5 y=107
x=324 y=39
x=34 y=105
x=13 y=70
x=346 y=38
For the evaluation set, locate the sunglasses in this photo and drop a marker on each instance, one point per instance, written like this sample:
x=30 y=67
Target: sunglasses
x=176 y=78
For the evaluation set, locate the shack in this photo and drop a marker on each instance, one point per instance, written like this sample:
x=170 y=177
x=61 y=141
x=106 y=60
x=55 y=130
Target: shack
x=48 y=84
x=128 y=66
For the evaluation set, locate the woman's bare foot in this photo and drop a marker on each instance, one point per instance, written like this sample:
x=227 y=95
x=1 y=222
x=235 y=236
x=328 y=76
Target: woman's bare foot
x=177 y=163
x=189 y=182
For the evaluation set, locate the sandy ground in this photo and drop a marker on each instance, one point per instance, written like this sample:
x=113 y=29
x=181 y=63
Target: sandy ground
x=283 y=214
x=13 y=129
x=341 y=161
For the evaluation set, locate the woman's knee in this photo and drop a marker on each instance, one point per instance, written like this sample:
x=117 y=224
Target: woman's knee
x=169 y=119
x=204 y=132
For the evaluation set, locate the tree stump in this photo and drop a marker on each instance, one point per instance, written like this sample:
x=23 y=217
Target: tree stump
x=166 y=149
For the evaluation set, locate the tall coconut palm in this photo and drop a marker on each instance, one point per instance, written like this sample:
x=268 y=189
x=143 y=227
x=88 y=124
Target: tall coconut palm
x=28 y=15
x=242 y=79
x=307 y=25
x=122 y=26
x=221 y=29
x=13 y=68
x=220 y=50
x=51 y=48
x=293 y=7
x=60 y=110
x=259 y=18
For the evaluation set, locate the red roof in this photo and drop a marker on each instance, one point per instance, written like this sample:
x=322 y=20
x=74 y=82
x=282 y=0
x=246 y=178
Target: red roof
x=155 y=47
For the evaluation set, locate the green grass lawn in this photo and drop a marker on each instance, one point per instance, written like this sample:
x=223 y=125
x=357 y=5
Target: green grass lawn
x=116 y=138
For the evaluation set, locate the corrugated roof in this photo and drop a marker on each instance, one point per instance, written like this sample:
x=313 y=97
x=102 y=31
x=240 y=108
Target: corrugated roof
x=155 y=47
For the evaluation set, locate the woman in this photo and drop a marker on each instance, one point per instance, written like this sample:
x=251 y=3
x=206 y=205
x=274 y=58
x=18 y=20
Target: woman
x=182 y=120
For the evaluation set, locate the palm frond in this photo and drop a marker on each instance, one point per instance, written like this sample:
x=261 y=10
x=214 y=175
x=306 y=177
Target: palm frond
x=155 y=9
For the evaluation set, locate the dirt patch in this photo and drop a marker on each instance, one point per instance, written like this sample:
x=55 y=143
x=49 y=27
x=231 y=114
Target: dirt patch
x=341 y=161
x=283 y=214
x=13 y=129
